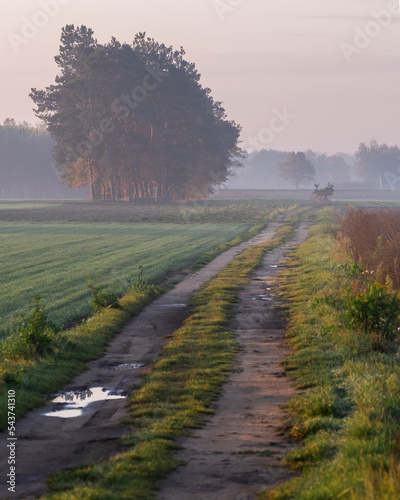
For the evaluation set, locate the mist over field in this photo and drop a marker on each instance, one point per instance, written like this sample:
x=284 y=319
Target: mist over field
x=28 y=172
x=261 y=171
x=310 y=78
x=27 y=167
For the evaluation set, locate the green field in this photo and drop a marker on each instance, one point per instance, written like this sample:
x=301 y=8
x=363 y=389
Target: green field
x=220 y=211
x=52 y=260
x=47 y=249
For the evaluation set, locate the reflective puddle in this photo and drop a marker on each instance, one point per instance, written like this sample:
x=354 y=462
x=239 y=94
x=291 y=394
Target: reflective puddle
x=269 y=296
x=173 y=305
x=128 y=366
x=72 y=404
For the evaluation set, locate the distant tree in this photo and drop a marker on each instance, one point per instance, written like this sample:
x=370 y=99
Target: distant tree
x=377 y=164
x=329 y=168
x=322 y=195
x=261 y=171
x=297 y=169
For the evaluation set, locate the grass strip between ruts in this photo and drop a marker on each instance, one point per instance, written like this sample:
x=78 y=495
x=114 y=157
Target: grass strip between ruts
x=347 y=414
x=176 y=394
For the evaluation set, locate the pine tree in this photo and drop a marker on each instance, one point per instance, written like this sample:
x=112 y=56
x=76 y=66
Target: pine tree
x=134 y=121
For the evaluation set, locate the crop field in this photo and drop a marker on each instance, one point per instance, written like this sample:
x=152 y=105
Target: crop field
x=47 y=249
x=202 y=211
x=342 y=288
x=51 y=260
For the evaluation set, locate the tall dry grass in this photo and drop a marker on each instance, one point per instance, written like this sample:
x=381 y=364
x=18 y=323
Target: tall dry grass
x=373 y=236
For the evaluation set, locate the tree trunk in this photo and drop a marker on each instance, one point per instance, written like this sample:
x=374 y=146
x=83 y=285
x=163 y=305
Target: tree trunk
x=166 y=187
x=112 y=186
x=92 y=187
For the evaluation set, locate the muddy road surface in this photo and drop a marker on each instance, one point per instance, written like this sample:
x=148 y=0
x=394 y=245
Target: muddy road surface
x=239 y=452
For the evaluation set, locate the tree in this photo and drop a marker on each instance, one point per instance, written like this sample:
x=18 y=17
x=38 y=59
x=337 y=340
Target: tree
x=297 y=169
x=378 y=164
x=133 y=121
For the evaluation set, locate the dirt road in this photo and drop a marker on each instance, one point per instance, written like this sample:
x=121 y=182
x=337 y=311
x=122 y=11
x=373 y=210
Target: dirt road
x=91 y=431
x=238 y=452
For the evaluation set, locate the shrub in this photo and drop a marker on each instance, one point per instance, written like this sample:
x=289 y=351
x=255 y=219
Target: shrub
x=322 y=195
x=375 y=311
x=372 y=238
x=36 y=330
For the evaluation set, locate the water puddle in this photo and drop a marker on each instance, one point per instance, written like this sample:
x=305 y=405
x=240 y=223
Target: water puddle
x=128 y=366
x=273 y=265
x=73 y=403
x=269 y=296
x=173 y=305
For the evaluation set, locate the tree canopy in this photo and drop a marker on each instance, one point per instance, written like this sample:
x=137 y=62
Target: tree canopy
x=133 y=121
x=297 y=169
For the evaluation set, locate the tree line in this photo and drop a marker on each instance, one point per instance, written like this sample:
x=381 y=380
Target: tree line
x=272 y=169
x=27 y=172
x=377 y=166
x=132 y=121
x=26 y=165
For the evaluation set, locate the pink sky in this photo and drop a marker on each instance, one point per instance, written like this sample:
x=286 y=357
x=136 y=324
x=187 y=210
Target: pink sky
x=296 y=74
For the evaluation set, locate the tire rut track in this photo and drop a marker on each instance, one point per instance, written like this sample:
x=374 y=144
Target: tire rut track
x=239 y=451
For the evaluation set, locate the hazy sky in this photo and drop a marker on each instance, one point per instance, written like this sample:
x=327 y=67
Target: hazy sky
x=296 y=74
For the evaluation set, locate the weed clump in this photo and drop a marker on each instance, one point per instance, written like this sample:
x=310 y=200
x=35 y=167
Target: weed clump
x=102 y=298
x=36 y=330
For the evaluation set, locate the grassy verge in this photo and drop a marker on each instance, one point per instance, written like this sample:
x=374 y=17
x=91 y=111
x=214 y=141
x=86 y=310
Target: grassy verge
x=347 y=413
x=33 y=377
x=175 y=396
